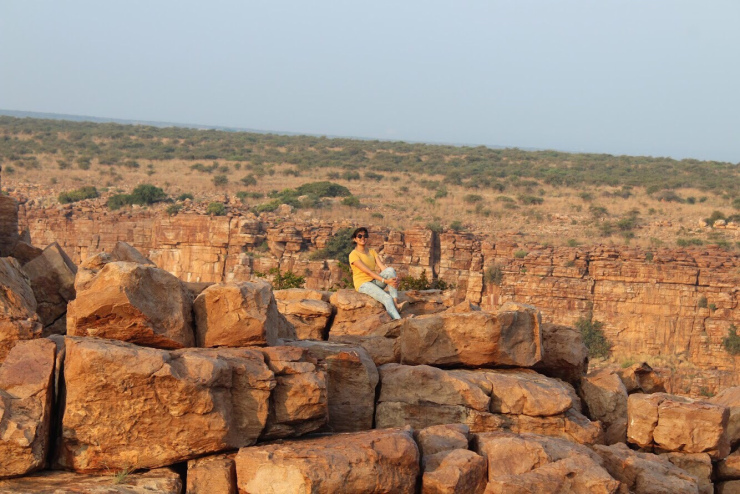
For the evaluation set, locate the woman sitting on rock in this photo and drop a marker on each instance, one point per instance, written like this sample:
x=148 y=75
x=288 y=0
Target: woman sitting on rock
x=365 y=265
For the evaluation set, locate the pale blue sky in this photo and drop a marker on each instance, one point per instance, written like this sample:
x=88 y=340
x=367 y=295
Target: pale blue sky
x=653 y=77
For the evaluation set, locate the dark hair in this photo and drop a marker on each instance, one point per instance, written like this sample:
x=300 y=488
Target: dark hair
x=360 y=230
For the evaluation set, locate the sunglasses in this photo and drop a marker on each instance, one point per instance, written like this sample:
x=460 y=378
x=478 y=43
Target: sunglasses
x=361 y=235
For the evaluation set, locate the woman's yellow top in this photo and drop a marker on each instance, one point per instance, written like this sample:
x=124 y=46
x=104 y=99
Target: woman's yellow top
x=360 y=277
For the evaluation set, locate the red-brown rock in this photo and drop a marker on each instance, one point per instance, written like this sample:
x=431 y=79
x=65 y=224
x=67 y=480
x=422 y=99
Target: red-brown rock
x=132 y=302
x=161 y=480
x=351 y=381
x=129 y=406
x=18 y=320
x=52 y=277
x=26 y=392
x=237 y=314
x=378 y=461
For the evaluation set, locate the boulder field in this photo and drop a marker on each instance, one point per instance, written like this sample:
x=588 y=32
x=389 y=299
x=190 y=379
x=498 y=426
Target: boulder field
x=157 y=385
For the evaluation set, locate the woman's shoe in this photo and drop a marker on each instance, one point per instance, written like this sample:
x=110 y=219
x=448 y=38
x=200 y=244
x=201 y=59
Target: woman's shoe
x=402 y=305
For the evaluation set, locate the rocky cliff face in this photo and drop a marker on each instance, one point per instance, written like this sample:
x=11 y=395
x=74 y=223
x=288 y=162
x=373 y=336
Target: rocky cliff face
x=677 y=304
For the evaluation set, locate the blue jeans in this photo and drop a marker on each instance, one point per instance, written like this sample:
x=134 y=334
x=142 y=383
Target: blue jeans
x=376 y=290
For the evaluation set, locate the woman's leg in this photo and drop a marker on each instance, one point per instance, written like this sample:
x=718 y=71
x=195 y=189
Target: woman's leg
x=370 y=288
x=388 y=273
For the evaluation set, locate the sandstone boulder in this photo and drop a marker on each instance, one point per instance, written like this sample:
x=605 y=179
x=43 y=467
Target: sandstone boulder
x=212 y=475
x=354 y=307
x=473 y=339
x=672 y=423
x=730 y=398
x=422 y=302
x=605 y=397
x=133 y=302
x=377 y=461
x=564 y=354
x=439 y=438
x=457 y=471
x=530 y=463
x=306 y=310
x=378 y=335
x=298 y=404
x=121 y=252
x=422 y=396
x=351 y=382
x=697 y=464
x=729 y=487
x=645 y=473
x=129 y=406
x=52 y=277
x=238 y=314
x=641 y=377
x=18 y=319
x=161 y=480
x=24 y=252
x=26 y=394
x=729 y=468
x=125 y=252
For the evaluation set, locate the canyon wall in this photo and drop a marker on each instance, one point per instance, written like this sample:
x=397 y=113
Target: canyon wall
x=676 y=305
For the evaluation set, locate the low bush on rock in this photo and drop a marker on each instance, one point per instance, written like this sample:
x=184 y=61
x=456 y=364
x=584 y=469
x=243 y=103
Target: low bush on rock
x=732 y=341
x=80 y=194
x=593 y=336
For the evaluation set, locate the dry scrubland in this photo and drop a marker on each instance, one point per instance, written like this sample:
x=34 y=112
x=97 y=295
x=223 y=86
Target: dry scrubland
x=564 y=210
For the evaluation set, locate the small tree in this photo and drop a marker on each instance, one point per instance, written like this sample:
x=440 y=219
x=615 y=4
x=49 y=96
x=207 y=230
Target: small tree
x=593 y=336
x=732 y=341
x=216 y=209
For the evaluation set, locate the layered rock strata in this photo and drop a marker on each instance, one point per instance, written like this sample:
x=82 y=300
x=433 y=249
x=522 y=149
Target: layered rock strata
x=658 y=302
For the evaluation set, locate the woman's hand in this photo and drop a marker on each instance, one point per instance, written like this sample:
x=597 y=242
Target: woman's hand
x=392 y=282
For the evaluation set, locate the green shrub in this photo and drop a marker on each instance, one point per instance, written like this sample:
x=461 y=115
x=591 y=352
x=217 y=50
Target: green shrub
x=338 y=247
x=472 y=198
x=702 y=302
x=593 y=336
x=457 y=226
x=716 y=215
x=220 y=180
x=374 y=176
x=494 y=275
x=530 y=200
x=732 y=341
x=649 y=256
x=422 y=283
x=440 y=193
x=283 y=281
x=87 y=192
x=323 y=189
x=351 y=201
x=216 y=209
x=573 y=242
x=520 y=254
x=267 y=207
x=147 y=194
x=435 y=226
x=173 y=209
x=686 y=242
x=118 y=201
x=185 y=195
x=377 y=215
x=351 y=175
x=248 y=180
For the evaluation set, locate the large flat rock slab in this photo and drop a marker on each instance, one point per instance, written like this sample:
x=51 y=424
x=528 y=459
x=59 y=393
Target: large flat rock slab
x=127 y=405
x=484 y=400
x=730 y=398
x=161 y=480
x=378 y=461
x=673 y=423
x=523 y=463
x=26 y=393
x=605 y=397
x=132 y=302
x=645 y=473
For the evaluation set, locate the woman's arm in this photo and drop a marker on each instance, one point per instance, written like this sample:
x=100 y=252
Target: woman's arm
x=379 y=263
x=363 y=267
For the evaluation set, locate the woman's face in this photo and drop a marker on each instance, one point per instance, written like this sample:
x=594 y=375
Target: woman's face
x=361 y=239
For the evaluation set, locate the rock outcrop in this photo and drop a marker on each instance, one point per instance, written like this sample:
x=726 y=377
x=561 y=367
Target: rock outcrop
x=238 y=314
x=26 y=393
x=128 y=406
x=309 y=311
x=649 y=301
x=371 y=462
x=133 y=302
x=18 y=318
